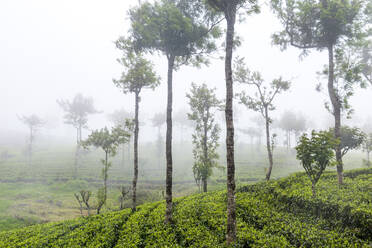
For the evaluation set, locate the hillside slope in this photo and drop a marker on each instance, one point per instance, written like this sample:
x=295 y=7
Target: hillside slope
x=281 y=213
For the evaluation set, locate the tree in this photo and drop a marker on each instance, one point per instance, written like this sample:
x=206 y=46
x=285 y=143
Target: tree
x=123 y=193
x=83 y=197
x=286 y=123
x=76 y=114
x=183 y=31
x=121 y=117
x=109 y=142
x=351 y=138
x=367 y=147
x=34 y=123
x=332 y=25
x=315 y=154
x=292 y=123
x=262 y=101
x=203 y=102
x=229 y=9
x=252 y=132
x=138 y=75
x=158 y=121
x=260 y=122
x=366 y=61
x=181 y=118
x=300 y=125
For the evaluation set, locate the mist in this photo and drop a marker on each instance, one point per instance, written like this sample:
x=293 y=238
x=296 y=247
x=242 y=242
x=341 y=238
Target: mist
x=54 y=50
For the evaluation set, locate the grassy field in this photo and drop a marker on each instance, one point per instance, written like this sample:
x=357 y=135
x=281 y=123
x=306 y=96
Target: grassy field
x=281 y=213
x=44 y=191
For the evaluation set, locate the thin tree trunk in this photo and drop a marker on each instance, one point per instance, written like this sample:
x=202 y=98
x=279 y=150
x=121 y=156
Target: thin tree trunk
x=336 y=112
x=268 y=145
x=77 y=151
x=128 y=148
x=123 y=155
x=205 y=184
x=205 y=150
x=313 y=189
x=168 y=145
x=105 y=178
x=231 y=207
x=368 y=163
x=136 y=130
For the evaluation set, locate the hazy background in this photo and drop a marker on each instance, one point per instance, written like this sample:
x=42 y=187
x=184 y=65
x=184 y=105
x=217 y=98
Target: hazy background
x=54 y=49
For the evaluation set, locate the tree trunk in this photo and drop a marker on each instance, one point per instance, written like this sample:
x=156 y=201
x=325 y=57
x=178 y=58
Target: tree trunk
x=105 y=178
x=77 y=151
x=368 y=163
x=231 y=207
x=123 y=155
x=136 y=130
x=336 y=112
x=268 y=145
x=313 y=189
x=168 y=145
x=205 y=151
x=205 y=184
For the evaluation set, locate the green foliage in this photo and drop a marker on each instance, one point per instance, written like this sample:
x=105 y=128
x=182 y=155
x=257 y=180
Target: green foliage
x=203 y=103
x=351 y=138
x=346 y=209
x=180 y=29
x=139 y=72
x=348 y=73
x=281 y=213
x=77 y=110
x=107 y=140
x=315 y=154
x=264 y=96
x=366 y=60
x=319 y=24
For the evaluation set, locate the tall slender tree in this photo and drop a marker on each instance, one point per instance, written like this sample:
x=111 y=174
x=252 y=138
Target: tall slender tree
x=262 y=102
x=76 y=114
x=121 y=117
x=203 y=103
x=109 y=142
x=138 y=75
x=229 y=9
x=183 y=31
x=325 y=25
x=158 y=120
x=34 y=123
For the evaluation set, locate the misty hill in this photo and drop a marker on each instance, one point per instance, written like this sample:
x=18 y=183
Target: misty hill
x=281 y=213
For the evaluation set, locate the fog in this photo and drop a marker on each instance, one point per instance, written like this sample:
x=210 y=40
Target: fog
x=55 y=49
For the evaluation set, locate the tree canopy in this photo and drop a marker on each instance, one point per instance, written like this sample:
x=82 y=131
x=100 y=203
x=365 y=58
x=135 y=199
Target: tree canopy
x=203 y=103
x=316 y=153
x=181 y=29
x=351 y=138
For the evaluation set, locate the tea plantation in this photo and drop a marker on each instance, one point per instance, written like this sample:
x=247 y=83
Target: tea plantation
x=281 y=213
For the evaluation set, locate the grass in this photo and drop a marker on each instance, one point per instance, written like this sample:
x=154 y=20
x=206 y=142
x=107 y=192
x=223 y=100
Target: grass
x=200 y=219
x=45 y=192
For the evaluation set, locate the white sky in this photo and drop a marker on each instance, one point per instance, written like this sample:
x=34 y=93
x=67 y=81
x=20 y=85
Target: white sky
x=53 y=49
